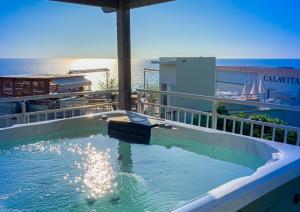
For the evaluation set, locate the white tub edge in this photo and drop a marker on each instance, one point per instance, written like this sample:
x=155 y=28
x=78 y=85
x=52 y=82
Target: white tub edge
x=237 y=193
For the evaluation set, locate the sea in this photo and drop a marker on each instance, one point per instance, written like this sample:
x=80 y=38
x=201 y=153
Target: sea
x=63 y=65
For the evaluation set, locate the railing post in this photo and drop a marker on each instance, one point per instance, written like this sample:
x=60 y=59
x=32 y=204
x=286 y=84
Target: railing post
x=233 y=126
x=242 y=128
x=23 y=105
x=207 y=121
x=273 y=133
x=139 y=103
x=262 y=131
x=285 y=135
x=251 y=130
x=199 y=119
x=159 y=111
x=214 y=115
x=298 y=138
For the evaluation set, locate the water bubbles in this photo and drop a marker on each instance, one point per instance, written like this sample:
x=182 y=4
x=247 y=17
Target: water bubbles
x=42 y=146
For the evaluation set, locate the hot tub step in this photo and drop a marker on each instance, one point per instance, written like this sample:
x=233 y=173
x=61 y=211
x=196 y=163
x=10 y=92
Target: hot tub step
x=130 y=132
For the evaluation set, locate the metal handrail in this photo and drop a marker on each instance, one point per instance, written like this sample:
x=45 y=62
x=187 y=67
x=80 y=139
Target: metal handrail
x=26 y=118
x=70 y=108
x=167 y=112
x=51 y=96
x=251 y=121
x=224 y=100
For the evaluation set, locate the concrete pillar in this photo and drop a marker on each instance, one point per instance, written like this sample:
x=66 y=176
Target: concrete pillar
x=124 y=56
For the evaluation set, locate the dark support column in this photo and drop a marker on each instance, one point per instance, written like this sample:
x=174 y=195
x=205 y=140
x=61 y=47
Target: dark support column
x=124 y=57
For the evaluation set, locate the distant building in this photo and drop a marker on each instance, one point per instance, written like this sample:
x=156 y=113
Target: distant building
x=194 y=75
x=200 y=75
x=31 y=85
x=41 y=84
x=281 y=84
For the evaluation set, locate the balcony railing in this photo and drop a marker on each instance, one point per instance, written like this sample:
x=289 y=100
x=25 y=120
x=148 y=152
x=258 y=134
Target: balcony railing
x=94 y=105
x=208 y=119
x=231 y=124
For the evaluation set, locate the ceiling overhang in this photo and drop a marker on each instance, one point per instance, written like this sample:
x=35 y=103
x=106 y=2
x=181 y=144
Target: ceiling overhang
x=109 y=6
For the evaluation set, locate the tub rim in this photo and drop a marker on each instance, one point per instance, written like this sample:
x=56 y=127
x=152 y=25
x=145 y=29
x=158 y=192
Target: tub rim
x=236 y=193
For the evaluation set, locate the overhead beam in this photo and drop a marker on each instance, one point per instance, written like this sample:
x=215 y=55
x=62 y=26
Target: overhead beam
x=97 y=3
x=108 y=9
x=142 y=3
x=111 y=5
x=132 y=4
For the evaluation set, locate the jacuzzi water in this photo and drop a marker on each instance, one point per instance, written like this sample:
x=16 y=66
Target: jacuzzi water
x=89 y=171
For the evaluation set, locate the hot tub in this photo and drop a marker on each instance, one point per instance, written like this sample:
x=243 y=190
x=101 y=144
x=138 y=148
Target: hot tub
x=72 y=164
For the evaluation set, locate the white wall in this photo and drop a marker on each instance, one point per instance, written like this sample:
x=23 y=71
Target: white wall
x=195 y=75
x=167 y=74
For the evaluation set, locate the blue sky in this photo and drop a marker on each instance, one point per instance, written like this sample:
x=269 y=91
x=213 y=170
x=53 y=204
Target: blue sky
x=221 y=28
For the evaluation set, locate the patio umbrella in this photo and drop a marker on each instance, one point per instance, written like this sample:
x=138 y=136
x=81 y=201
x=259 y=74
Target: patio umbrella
x=254 y=91
x=261 y=87
x=246 y=90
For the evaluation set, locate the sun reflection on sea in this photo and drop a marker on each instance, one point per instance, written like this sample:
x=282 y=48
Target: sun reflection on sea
x=96 y=78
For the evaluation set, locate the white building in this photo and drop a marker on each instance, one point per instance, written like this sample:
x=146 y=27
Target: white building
x=281 y=85
x=200 y=75
x=194 y=75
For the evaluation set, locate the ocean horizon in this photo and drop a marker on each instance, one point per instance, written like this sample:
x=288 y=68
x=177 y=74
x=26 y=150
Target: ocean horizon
x=16 y=66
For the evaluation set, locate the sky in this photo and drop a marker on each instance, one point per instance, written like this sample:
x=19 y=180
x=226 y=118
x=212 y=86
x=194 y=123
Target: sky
x=219 y=28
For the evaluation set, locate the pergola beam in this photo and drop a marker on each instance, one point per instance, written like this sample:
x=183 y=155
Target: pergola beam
x=97 y=3
x=142 y=3
x=130 y=4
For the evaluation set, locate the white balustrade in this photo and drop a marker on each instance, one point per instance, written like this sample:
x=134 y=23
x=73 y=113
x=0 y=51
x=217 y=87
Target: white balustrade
x=259 y=129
